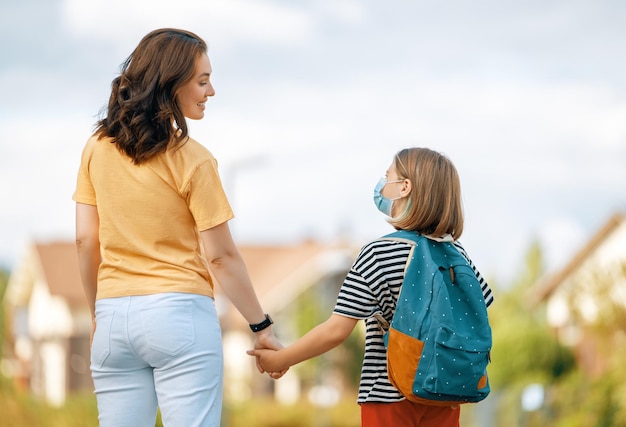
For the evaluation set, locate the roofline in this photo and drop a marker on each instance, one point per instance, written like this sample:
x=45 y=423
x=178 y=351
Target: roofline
x=545 y=288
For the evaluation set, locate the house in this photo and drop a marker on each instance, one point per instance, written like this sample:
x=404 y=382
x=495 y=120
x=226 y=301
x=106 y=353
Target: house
x=580 y=295
x=280 y=275
x=51 y=320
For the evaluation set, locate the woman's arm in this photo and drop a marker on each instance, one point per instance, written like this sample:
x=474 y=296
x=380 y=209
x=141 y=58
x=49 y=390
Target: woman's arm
x=88 y=248
x=319 y=340
x=228 y=269
x=89 y=258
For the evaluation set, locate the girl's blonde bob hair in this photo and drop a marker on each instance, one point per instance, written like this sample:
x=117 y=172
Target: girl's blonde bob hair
x=434 y=205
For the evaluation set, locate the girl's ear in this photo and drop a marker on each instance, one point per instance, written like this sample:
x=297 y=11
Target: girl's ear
x=406 y=188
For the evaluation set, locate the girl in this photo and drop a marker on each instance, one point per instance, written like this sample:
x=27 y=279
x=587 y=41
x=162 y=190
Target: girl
x=420 y=192
x=152 y=231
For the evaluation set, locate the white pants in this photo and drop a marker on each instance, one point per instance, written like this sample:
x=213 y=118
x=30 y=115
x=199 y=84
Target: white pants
x=160 y=350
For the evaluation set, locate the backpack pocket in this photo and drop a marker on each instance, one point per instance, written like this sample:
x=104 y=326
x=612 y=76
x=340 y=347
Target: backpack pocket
x=403 y=357
x=458 y=367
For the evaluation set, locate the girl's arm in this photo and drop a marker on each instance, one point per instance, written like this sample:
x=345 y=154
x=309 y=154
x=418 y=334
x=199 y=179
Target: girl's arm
x=319 y=340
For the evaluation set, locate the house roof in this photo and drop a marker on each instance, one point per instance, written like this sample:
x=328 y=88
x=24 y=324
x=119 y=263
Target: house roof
x=546 y=287
x=278 y=272
x=59 y=266
x=270 y=265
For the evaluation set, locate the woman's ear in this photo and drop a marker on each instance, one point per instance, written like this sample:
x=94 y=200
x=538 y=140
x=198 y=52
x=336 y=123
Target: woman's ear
x=406 y=188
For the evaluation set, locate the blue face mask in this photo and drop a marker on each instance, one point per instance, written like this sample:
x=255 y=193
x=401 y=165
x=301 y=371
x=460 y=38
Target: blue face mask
x=383 y=203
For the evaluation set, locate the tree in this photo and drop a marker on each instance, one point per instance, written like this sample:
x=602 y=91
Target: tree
x=313 y=307
x=4 y=281
x=524 y=349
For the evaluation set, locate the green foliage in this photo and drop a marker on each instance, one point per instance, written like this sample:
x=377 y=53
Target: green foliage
x=4 y=281
x=268 y=413
x=605 y=289
x=19 y=409
x=600 y=400
x=580 y=401
x=313 y=307
x=524 y=349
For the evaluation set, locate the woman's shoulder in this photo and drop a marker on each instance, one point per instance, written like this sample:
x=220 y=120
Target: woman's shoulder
x=190 y=155
x=193 y=148
x=97 y=143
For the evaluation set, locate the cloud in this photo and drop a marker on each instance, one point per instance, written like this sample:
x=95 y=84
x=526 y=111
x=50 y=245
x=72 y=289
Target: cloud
x=569 y=235
x=38 y=172
x=525 y=98
x=220 y=22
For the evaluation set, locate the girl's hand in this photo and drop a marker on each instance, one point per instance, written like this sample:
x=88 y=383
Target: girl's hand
x=270 y=361
x=266 y=340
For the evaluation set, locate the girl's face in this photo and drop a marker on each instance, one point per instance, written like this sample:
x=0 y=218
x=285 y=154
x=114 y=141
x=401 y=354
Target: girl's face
x=192 y=95
x=396 y=189
x=392 y=189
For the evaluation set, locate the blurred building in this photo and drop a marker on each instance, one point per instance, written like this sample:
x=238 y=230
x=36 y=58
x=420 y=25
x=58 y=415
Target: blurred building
x=50 y=323
x=48 y=351
x=589 y=293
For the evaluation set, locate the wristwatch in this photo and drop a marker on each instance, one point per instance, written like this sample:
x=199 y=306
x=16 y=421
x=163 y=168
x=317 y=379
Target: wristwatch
x=264 y=324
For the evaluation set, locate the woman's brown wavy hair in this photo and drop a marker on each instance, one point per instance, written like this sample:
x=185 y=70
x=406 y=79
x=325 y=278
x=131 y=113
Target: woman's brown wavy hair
x=143 y=118
x=434 y=205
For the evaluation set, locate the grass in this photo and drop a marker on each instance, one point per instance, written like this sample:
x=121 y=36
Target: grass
x=19 y=409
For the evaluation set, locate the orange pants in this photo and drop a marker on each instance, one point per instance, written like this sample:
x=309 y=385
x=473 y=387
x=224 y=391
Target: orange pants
x=408 y=414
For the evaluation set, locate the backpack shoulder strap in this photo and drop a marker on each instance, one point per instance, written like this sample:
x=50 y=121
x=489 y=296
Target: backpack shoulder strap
x=439 y=257
x=410 y=237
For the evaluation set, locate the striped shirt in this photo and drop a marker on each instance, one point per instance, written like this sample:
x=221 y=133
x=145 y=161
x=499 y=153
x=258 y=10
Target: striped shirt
x=371 y=288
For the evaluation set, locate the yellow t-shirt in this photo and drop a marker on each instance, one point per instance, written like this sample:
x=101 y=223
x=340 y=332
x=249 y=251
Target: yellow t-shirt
x=150 y=217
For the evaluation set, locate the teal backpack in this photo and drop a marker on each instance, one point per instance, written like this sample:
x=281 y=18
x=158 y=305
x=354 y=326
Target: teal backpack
x=439 y=341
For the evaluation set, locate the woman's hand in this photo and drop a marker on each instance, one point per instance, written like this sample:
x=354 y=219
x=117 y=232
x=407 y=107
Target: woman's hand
x=325 y=336
x=266 y=340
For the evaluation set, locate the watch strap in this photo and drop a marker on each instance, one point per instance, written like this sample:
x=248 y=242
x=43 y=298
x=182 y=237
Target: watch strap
x=262 y=325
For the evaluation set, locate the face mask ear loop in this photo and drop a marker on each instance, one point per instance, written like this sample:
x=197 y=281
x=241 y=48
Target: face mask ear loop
x=383 y=203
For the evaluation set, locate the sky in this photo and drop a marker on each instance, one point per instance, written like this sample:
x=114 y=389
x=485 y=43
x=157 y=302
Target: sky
x=314 y=98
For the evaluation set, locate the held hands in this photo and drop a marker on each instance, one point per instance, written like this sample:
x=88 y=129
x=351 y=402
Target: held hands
x=269 y=361
x=266 y=344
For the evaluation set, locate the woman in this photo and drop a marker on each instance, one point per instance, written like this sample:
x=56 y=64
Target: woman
x=421 y=192
x=153 y=238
